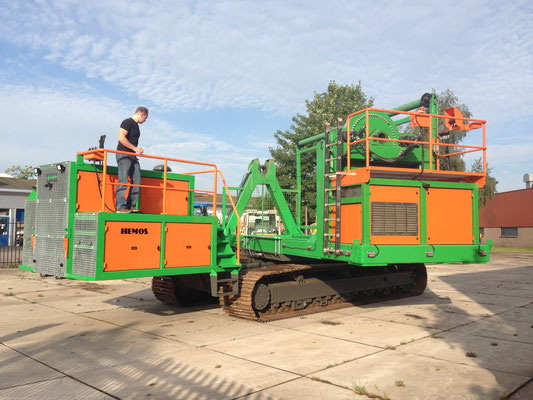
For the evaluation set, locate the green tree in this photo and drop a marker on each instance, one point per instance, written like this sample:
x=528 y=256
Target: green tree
x=20 y=172
x=447 y=99
x=490 y=182
x=337 y=101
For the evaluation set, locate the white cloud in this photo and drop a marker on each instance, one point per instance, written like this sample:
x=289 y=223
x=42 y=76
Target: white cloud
x=42 y=126
x=273 y=55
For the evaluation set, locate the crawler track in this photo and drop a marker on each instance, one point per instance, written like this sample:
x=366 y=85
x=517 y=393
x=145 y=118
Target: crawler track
x=164 y=290
x=243 y=305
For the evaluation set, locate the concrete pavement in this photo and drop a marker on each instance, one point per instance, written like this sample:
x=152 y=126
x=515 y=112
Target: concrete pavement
x=469 y=336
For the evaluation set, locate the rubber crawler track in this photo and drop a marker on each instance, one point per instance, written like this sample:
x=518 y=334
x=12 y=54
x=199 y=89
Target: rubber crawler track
x=241 y=305
x=164 y=290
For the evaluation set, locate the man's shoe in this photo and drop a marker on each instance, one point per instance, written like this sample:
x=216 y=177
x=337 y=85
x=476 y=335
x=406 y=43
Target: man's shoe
x=135 y=210
x=124 y=211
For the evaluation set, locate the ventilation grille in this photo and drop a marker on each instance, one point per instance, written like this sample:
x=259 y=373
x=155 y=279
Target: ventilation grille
x=394 y=219
x=51 y=213
x=85 y=240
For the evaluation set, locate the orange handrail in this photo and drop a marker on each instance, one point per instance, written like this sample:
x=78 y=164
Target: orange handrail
x=431 y=142
x=165 y=159
x=214 y=170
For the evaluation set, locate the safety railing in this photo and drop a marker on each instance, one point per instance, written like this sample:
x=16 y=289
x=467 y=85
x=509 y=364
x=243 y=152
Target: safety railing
x=453 y=122
x=102 y=155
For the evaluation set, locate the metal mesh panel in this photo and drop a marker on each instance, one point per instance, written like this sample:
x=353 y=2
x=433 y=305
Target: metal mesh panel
x=51 y=213
x=85 y=240
x=351 y=191
x=394 y=219
x=29 y=225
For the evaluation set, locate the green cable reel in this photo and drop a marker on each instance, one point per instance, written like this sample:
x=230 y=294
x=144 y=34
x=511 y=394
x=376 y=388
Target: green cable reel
x=382 y=127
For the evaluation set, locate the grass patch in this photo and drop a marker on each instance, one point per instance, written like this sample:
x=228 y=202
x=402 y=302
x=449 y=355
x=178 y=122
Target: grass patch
x=389 y=347
x=359 y=389
x=501 y=249
x=471 y=354
x=399 y=383
x=9 y=294
x=494 y=344
x=218 y=366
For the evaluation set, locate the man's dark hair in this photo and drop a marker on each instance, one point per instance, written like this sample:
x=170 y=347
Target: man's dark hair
x=142 y=110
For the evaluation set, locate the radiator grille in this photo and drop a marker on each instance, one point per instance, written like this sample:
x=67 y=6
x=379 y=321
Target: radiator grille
x=51 y=213
x=85 y=240
x=394 y=219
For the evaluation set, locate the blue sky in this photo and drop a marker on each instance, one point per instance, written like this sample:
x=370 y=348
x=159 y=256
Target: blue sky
x=220 y=77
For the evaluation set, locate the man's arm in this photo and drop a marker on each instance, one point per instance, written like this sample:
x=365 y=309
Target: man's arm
x=124 y=140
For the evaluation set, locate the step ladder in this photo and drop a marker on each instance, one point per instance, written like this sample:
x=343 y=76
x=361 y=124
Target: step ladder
x=332 y=191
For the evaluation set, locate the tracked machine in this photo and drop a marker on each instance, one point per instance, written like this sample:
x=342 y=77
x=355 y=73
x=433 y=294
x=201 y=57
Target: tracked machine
x=385 y=206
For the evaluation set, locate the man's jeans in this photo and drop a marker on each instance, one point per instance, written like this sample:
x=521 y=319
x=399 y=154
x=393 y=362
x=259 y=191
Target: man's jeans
x=128 y=166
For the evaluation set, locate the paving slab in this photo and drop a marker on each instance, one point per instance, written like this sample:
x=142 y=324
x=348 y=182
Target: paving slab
x=147 y=313
x=57 y=389
x=460 y=348
x=20 y=311
x=17 y=369
x=81 y=345
x=256 y=376
x=170 y=379
x=76 y=300
x=358 y=329
x=500 y=328
x=524 y=393
x=485 y=299
x=432 y=319
x=204 y=330
x=304 y=389
x=297 y=352
x=522 y=314
x=422 y=377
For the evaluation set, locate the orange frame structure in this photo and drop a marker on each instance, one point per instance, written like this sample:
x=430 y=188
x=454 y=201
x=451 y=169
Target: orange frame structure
x=433 y=141
x=102 y=155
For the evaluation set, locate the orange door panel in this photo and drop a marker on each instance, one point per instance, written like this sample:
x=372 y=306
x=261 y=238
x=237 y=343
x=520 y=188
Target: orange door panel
x=400 y=208
x=449 y=216
x=132 y=245
x=89 y=198
x=187 y=245
x=176 y=198
x=350 y=223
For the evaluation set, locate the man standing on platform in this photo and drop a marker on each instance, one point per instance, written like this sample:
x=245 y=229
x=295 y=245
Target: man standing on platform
x=128 y=165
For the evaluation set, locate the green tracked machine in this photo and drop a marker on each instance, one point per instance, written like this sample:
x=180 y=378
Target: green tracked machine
x=385 y=206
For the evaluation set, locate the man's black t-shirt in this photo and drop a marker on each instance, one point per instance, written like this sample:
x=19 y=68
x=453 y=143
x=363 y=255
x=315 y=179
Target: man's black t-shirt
x=133 y=134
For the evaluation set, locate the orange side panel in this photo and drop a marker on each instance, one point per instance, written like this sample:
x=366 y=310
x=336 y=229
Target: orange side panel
x=89 y=198
x=351 y=227
x=177 y=196
x=449 y=216
x=395 y=194
x=132 y=245
x=187 y=245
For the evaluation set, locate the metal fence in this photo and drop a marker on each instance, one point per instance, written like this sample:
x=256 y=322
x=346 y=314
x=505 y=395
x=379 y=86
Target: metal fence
x=11 y=241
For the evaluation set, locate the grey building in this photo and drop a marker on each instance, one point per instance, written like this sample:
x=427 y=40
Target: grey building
x=13 y=194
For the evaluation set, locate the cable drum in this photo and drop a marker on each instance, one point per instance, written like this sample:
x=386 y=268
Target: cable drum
x=382 y=127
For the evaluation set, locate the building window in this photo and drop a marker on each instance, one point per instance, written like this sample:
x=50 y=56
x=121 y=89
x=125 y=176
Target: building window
x=509 y=232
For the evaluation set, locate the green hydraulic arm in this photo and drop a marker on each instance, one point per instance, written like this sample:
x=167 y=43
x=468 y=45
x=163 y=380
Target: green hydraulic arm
x=264 y=175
